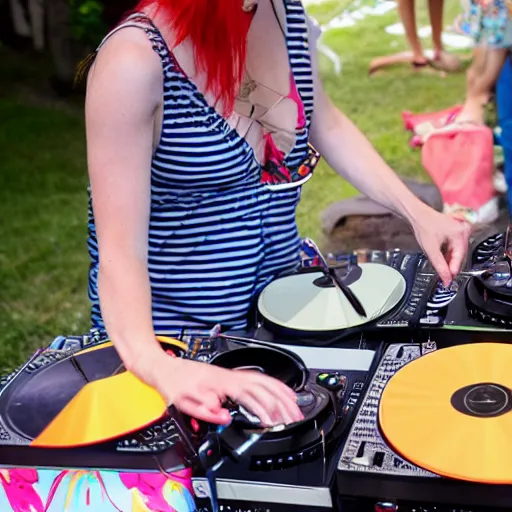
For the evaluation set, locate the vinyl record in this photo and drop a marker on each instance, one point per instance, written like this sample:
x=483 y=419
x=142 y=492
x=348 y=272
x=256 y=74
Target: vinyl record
x=299 y=303
x=103 y=410
x=102 y=401
x=450 y=412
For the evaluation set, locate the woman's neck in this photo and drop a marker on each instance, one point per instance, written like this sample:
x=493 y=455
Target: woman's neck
x=217 y=33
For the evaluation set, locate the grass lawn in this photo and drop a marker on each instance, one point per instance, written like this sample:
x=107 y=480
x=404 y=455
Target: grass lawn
x=43 y=257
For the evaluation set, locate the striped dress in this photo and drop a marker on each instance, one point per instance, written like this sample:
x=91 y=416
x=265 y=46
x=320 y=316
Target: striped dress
x=218 y=232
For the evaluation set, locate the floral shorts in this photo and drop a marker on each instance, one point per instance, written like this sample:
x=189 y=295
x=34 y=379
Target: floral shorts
x=23 y=490
x=490 y=22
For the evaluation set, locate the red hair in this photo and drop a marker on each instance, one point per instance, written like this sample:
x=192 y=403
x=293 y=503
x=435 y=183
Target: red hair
x=217 y=30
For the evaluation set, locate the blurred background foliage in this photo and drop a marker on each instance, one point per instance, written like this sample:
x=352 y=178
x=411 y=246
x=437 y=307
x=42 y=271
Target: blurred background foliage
x=87 y=23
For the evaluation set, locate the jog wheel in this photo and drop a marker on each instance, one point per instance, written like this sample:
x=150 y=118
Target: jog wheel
x=489 y=305
x=278 y=364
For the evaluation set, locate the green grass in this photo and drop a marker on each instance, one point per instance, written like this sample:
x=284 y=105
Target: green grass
x=43 y=201
x=375 y=103
x=43 y=257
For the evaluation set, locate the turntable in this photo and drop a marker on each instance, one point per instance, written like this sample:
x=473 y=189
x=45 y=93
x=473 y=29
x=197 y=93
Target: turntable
x=76 y=407
x=433 y=432
x=402 y=297
x=292 y=469
x=310 y=308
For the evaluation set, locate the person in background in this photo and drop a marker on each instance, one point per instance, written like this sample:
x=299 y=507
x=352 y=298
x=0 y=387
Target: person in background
x=441 y=58
x=416 y=57
x=504 y=112
x=490 y=23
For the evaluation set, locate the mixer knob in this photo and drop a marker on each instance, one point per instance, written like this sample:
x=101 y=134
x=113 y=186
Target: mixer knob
x=331 y=380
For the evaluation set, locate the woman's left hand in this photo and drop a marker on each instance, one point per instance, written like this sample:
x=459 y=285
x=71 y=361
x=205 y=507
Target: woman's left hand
x=443 y=239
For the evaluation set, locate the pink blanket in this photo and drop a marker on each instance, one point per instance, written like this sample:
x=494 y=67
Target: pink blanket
x=459 y=157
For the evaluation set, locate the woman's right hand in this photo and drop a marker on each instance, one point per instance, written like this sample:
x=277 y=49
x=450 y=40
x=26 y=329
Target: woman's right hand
x=199 y=390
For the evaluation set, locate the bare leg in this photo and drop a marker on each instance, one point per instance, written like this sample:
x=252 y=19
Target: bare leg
x=442 y=59
x=407 y=11
x=480 y=78
x=435 y=11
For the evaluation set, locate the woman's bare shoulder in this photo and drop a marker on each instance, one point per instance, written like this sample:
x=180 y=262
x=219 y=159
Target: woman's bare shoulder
x=128 y=61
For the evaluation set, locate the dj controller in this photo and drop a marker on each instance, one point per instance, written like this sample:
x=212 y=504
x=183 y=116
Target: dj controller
x=481 y=311
x=408 y=408
x=293 y=469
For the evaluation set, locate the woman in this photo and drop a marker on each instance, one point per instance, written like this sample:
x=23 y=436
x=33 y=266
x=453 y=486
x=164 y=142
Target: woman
x=490 y=23
x=195 y=178
x=197 y=135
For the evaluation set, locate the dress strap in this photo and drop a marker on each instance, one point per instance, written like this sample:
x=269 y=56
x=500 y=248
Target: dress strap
x=137 y=20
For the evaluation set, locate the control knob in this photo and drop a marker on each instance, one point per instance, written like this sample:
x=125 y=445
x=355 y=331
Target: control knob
x=332 y=380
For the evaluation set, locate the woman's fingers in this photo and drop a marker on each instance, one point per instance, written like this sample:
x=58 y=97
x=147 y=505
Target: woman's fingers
x=267 y=398
x=200 y=411
x=254 y=405
x=439 y=263
x=458 y=247
x=277 y=387
x=286 y=396
x=274 y=405
x=278 y=409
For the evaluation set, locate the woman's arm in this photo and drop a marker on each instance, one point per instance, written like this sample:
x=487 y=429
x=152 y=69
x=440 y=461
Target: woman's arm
x=124 y=90
x=351 y=155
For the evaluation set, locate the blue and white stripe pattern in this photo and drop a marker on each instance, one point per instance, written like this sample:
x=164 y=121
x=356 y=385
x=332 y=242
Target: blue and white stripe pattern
x=217 y=236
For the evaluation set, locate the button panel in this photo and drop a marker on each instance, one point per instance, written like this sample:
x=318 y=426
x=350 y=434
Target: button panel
x=155 y=439
x=46 y=358
x=418 y=274
x=285 y=461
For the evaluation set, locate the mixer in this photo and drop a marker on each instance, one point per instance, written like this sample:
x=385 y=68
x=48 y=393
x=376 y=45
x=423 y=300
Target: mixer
x=478 y=304
x=293 y=469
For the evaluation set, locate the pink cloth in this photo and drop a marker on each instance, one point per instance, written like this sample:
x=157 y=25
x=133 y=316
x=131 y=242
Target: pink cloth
x=460 y=161
x=458 y=157
x=422 y=125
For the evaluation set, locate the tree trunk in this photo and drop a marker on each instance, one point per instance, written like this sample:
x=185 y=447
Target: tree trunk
x=58 y=15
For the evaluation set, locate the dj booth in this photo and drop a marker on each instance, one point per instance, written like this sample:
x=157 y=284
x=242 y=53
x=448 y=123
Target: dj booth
x=406 y=408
